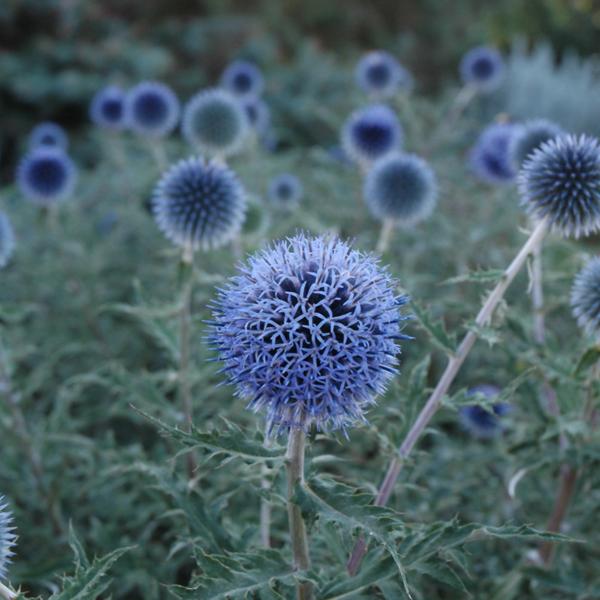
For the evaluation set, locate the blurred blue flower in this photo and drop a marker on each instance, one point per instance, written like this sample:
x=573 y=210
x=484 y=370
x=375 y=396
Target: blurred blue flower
x=285 y=190
x=561 y=181
x=490 y=156
x=199 y=204
x=8 y=538
x=585 y=297
x=107 y=108
x=370 y=133
x=530 y=136
x=258 y=114
x=480 y=422
x=214 y=122
x=309 y=332
x=380 y=74
x=152 y=109
x=46 y=175
x=48 y=134
x=401 y=187
x=243 y=78
x=7 y=240
x=482 y=67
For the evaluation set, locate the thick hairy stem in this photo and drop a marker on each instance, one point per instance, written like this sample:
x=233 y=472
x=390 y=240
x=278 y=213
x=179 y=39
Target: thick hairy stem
x=7 y=593
x=385 y=237
x=452 y=368
x=295 y=474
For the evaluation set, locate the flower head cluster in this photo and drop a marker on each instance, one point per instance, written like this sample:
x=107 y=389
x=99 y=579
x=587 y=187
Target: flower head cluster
x=7 y=240
x=7 y=537
x=152 y=109
x=483 y=68
x=215 y=122
x=285 y=190
x=199 y=204
x=401 y=187
x=309 y=332
x=48 y=134
x=243 y=79
x=46 y=175
x=490 y=156
x=380 y=74
x=585 y=297
x=561 y=182
x=107 y=109
x=370 y=133
x=480 y=422
x=530 y=137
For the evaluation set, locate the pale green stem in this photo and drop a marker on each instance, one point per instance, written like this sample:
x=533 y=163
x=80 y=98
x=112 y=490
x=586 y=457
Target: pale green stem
x=7 y=593
x=385 y=236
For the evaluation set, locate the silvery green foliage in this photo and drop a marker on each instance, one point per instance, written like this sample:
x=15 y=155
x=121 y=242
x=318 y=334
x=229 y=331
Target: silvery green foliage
x=585 y=297
x=7 y=537
x=48 y=134
x=401 y=187
x=7 y=240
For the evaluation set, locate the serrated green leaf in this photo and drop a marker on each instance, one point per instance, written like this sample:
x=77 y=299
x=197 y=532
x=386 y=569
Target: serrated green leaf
x=435 y=329
x=588 y=359
x=480 y=276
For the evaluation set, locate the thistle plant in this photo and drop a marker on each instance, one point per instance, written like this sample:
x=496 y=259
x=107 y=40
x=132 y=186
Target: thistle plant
x=490 y=158
x=48 y=134
x=7 y=240
x=308 y=332
x=529 y=137
x=107 y=109
x=7 y=543
x=560 y=189
x=258 y=115
x=381 y=76
x=243 y=79
x=482 y=68
x=285 y=191
x=480 y=422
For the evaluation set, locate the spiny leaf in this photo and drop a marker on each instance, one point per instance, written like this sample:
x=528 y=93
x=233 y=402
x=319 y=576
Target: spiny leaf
x=480 y=276
x=435 y=329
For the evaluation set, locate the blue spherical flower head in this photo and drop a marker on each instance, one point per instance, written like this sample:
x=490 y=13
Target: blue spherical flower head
x=490 y=157
x=107 y=109
x=199 y=204
x=7 y=538
x=215 y=123
x=480 y=422
x=257 y=113
x=309 y=332
x=49 y=135
x=585 y=297
x=7 y=240
x=530 y=137
x=561 y=182
x=46 y=176
x=370 y=133
x=401 y=187
x=243 y=79
x=483 y=68
x=380 y=74
x=152 y=109
x=285 y=190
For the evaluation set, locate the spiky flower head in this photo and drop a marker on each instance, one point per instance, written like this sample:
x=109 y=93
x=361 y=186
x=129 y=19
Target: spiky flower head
x=48 y=134
x=401 y=187
x=258 y=114
x=8 y=538
x=490 y=156
x=482 y=67
x=480 y=422
x=7 y=240
x=46 y=175
x=152 y=109
x=107 y=109
x=380 y=74
x=285 y=190
x=585 y=297
x=309 y=332
x=370 y=133
x=530 y=137
x=243 y=78
x=199 y=204
x=561 y=182
x=214 y=122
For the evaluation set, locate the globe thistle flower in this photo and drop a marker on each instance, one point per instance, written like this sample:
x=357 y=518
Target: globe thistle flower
x=107 y=109
x=309 y=331
x=285 y=190
x=7 y=240
x=380 y=74
x=49 y=135
x=400 y=187
x=152 y=109
x=7 y=537
x=199 y=204
x=215 y=122
x=243 y=79
x=561 y=182
x=46 y=175
x=257 y=113
x=370 y=133
x=530 y=137
x=490 y=157
x=585 y=297
x=478 y=421
x=483 y=68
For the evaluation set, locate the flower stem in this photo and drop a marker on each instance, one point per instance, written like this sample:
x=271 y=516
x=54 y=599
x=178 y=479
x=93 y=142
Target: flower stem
x=295 y=474
x=160 y=155
x=7 y=593
x=385 y=237
x=452 y=368
x=265 y=505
